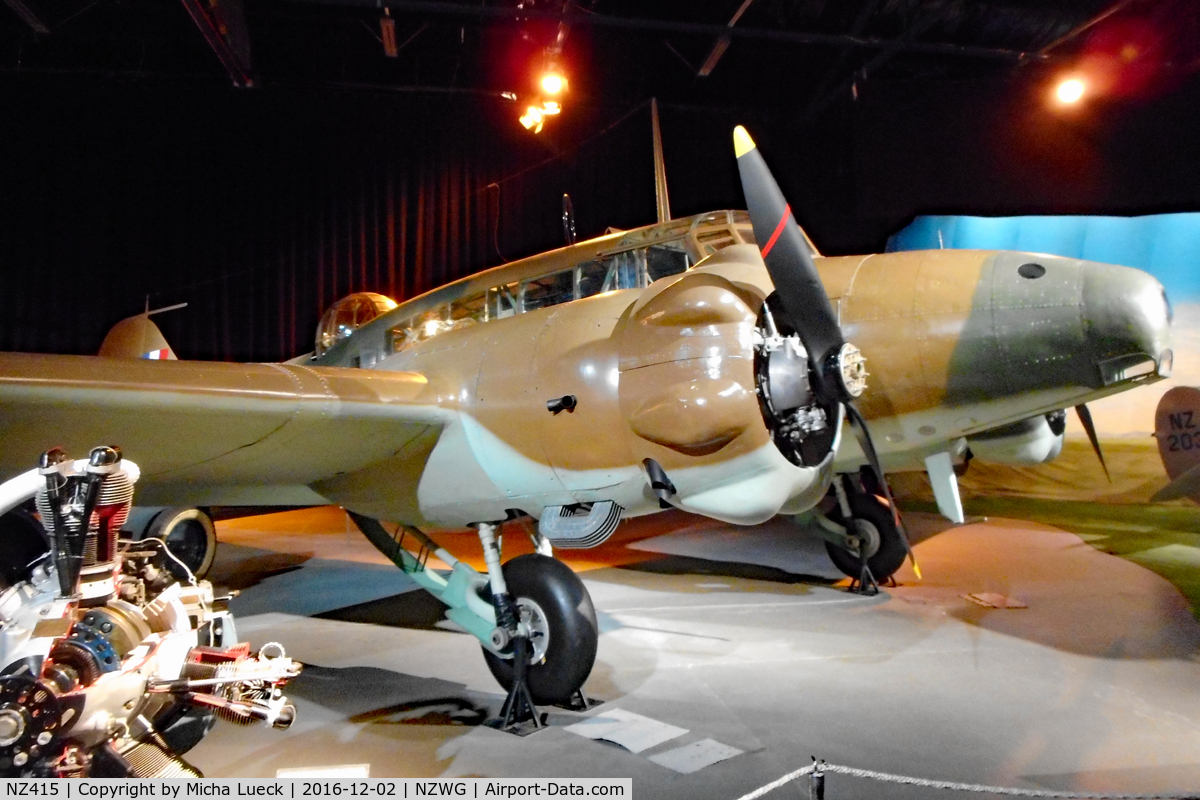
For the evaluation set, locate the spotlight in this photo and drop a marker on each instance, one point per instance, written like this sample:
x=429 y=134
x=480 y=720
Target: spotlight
x=533 y=119
x=1070 y=91
x=553 y=81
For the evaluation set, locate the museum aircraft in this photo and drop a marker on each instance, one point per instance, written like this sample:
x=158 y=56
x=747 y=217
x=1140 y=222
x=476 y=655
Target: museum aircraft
x=698 y=363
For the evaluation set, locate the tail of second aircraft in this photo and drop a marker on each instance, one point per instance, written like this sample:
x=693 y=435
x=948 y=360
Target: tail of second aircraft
x=1177 y=429
x=138 y=337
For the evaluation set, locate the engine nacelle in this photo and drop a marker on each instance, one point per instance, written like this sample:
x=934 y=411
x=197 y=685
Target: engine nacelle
x=1031 y=441
x=719 y=398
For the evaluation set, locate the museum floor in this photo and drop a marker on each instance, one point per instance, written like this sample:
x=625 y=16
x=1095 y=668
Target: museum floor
x=731 y=657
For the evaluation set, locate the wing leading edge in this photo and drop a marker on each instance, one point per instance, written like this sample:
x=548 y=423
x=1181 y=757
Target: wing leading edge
x=210 y=433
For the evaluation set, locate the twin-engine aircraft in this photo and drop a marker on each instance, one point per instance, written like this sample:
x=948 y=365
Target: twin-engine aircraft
x=699 y=363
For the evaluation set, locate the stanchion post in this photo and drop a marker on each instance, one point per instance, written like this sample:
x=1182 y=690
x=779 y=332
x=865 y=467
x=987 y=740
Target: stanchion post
x=816 y=781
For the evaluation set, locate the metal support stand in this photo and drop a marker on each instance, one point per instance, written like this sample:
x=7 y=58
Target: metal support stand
x=519 y=715
x=865 y=584
x=580 y=702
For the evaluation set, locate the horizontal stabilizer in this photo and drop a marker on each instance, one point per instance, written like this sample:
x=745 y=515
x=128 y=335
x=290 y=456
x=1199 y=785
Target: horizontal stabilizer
x=1186 y=485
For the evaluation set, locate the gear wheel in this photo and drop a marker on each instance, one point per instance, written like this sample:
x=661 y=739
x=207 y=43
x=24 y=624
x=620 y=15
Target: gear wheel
x=29 y=720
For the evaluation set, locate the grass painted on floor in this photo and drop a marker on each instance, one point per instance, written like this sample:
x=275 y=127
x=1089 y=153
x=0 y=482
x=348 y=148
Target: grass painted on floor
x=1162 y=538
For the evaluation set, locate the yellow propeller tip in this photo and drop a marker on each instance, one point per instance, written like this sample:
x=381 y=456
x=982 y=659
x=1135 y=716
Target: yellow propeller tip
x=742 y=143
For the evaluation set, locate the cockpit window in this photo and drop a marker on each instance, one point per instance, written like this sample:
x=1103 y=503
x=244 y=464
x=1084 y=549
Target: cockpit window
x=663 y=261
x=502 y=300
x=550 y=290
x=348 y=315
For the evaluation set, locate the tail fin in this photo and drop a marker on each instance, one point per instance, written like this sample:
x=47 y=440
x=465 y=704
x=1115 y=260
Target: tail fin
x=138 y=337
x=1177 y=429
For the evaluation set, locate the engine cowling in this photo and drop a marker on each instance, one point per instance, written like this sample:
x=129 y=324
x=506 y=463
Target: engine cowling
x=1031 y=441
x=718 y=398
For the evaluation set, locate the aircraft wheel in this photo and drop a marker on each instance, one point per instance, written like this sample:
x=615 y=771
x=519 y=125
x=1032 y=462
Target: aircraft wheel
x=22 y=542
x=872 y=522
x=190 y=535
x=556 y=605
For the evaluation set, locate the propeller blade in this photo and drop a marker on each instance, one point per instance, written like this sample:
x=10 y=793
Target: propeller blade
x=790 y=263
x=863 y=434
x=1085 y=418
x=836 y=366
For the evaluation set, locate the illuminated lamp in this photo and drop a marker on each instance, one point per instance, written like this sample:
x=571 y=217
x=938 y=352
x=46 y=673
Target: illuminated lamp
x=1070 y=91
x=550 y=107
x=533 y=119
x=553 y=81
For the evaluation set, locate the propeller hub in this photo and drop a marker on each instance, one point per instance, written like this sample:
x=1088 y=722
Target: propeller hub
x=850 y=368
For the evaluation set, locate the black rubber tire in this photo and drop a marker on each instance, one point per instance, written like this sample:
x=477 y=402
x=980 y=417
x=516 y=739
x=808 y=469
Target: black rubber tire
x=191 y=536
x=183 y=726
x=891 y=553
x=571 y=618
x=22 y=542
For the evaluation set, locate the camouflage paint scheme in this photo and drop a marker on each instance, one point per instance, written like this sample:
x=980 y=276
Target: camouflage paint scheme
x=455 y=429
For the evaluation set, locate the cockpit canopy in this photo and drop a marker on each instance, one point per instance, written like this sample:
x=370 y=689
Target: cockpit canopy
x=349 y=314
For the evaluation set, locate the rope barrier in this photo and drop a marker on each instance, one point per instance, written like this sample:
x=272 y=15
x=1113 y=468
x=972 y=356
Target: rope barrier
x=819 y=768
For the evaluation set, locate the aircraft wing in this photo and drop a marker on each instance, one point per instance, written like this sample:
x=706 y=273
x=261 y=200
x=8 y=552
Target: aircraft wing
x=210 y=433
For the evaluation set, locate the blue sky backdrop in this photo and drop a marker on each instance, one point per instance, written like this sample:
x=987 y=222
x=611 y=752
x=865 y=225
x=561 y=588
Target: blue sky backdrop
x=1165 y=245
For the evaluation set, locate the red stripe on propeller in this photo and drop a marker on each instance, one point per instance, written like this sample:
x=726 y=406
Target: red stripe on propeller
x=778 y=230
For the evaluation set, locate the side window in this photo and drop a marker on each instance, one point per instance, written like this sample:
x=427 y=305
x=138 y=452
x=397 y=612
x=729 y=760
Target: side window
x=548 y=291
x=628 y=269
x=664 y=261
x=595 y=277
x=468 y=311
x=418 y=329
x=502 y=301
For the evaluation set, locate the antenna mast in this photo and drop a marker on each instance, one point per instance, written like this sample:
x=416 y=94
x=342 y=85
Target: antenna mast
x=662 y=202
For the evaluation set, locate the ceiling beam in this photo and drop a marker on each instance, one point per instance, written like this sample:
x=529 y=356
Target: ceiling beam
x=223 y=23
x=1079 y=29
x=722 y=44
x=820 y=102
x=24 y=12
x=501 y=13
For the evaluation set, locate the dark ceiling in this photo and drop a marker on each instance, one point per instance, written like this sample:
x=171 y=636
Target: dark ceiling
x=802 y=55
x=135 y=171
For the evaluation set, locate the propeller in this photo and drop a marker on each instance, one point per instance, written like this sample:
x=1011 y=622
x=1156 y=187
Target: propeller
x=1085 y=419
x=837 y=366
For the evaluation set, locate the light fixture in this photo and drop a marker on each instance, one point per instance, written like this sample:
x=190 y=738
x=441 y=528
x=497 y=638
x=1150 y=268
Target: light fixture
x=553 y=81
x=547 y=100
x=532 y=119
x=1070 y=91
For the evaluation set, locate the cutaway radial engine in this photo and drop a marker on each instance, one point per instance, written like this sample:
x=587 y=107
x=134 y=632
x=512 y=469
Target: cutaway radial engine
x=801 y=426
x=111 y=664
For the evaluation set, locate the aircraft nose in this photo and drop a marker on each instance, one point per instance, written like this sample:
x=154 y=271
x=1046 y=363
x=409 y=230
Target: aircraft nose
x=1127 y=320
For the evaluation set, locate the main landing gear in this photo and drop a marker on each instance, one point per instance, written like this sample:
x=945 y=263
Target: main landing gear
x=871 y=548
x=533 y=617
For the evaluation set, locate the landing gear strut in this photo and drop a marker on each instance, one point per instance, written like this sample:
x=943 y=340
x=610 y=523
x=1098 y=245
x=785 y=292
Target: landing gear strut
x=555 y=608
x=881 y=548
x=533 y=616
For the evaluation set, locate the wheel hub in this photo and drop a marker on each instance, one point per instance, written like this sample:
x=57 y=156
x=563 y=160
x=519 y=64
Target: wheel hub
x=865 y=535
x=533 y=619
